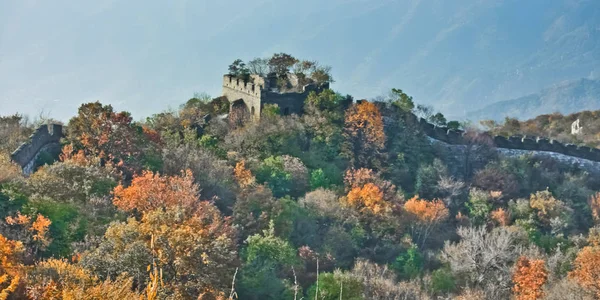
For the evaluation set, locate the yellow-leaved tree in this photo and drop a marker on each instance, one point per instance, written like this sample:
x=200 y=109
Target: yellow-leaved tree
x=11 y=267
x=364 y=138
x=425 y=217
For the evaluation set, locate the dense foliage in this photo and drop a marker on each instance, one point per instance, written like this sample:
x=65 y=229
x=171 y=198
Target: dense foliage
x=347 y=201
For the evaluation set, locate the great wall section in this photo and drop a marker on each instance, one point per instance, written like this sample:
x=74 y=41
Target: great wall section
x=259 y=92
x=45 y=138
x=457 y=141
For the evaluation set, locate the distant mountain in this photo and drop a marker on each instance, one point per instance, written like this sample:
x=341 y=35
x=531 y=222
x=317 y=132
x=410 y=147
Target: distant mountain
x=566 y=97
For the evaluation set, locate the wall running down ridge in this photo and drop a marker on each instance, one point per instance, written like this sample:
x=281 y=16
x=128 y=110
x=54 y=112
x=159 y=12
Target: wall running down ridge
x=527 y=143
x=44 y=139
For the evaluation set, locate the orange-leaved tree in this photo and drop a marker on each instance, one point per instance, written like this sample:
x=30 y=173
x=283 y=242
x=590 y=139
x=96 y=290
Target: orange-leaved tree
x=357 y=178
x=364 y=135
x=100 y=131
x=586 y=269
x=243 y=176
x=501 y=216
x=149 y=191
x=367 y=198
x=10 y=266
x=529 y=277
x=33 y=233
x=426 y=216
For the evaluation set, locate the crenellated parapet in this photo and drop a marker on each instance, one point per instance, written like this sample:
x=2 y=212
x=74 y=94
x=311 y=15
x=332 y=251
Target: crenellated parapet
x=249 y=97
x=251 y=88
x=528 y=143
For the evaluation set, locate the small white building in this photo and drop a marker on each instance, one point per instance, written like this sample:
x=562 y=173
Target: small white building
x=576 y=128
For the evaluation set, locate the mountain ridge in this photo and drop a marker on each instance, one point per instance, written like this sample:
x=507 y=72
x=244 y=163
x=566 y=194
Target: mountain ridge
x=565 y=97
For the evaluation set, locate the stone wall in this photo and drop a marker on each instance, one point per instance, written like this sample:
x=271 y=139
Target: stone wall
x=235 y=89
x=255 y=95
x=457 y=160
x=46 y=137
x=528 y=143
x=291 y=103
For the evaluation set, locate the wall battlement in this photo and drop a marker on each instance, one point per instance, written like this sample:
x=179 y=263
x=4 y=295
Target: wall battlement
x=242 y=86
x=529 y=143
x=44 y=137
x=256 y=94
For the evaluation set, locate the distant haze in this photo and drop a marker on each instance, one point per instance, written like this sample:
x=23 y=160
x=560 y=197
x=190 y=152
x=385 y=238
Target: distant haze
x=147 y=56
x=565 y=97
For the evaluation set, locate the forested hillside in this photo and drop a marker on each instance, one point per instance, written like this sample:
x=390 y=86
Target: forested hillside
x=347 y=201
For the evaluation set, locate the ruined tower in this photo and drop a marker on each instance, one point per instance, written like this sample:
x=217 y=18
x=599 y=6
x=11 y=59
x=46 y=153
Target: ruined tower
x=250 y=96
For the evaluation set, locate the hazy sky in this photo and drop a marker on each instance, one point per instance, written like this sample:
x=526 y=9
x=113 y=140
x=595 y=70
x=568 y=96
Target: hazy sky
x=147 y=56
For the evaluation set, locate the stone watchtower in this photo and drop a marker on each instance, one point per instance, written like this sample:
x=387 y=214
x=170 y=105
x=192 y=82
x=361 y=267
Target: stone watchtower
x=250 y=96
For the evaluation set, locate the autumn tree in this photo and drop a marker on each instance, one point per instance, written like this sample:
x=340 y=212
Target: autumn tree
x=59 y=279
x=368 y=192
x=550 y=212
x=149 y=191
x=33 y=232
x=100 y=131
x=426 y=215
x=364 y=135
x=11 y=272
x=368 y=198
x=586 y=269
x=195 y=248
x=243 y=176
x=529 y=277
x=500 y=216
